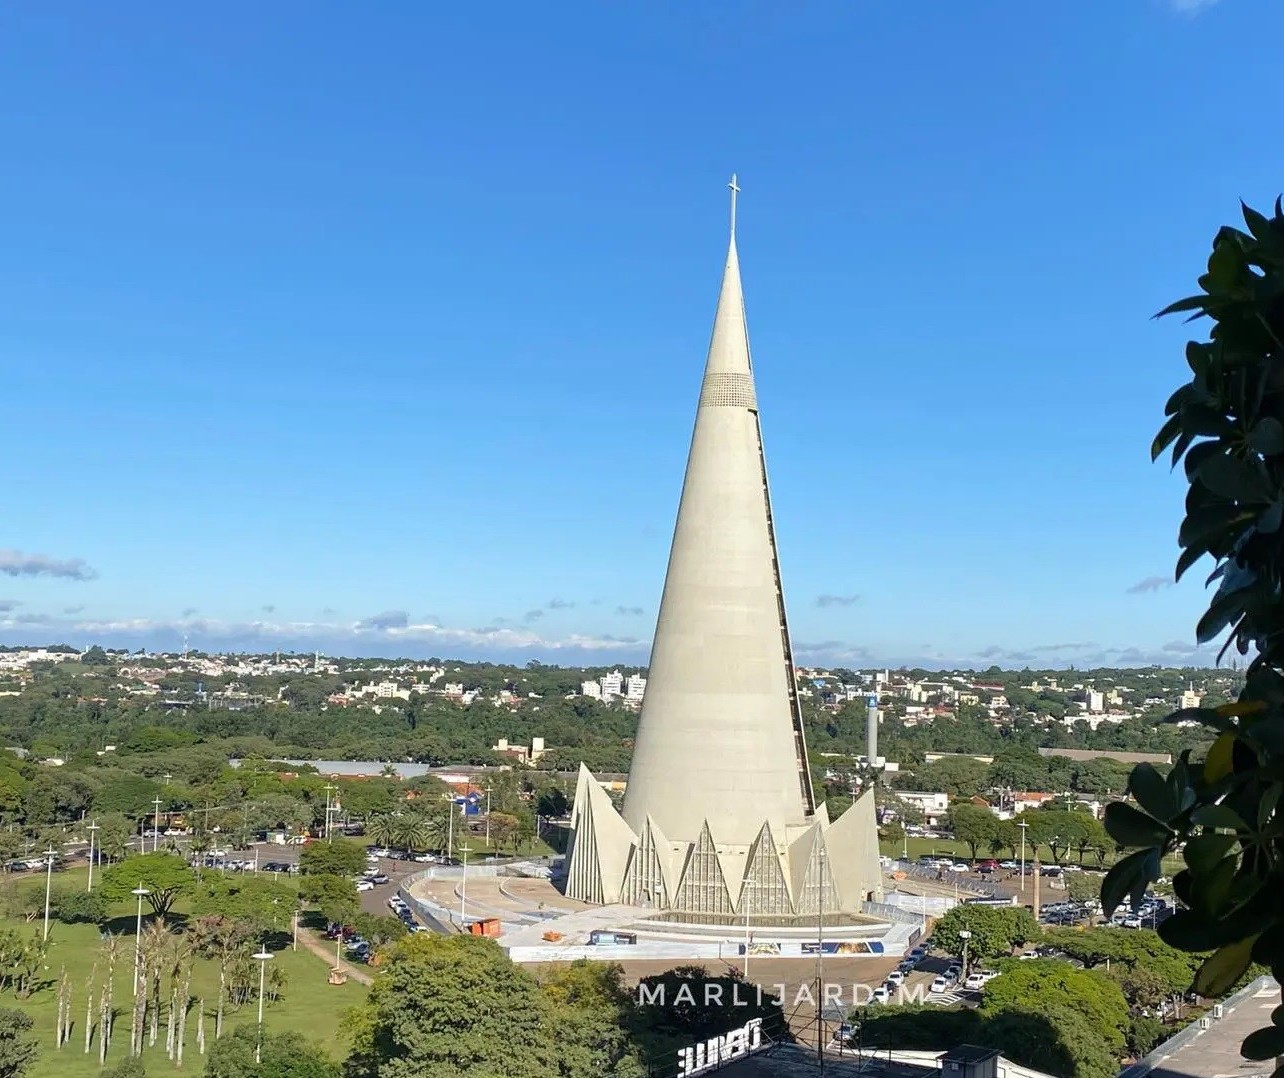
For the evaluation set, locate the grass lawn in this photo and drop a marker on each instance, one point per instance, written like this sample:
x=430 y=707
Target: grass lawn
x=307 y=1004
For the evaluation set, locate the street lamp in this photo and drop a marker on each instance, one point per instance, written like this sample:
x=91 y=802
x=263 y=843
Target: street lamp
x=49 y=859
x=328 y=788
x=744 y=897
x=1023 y=825
x=463 y=888
x=965 y=935
x=262 y=957
x=450 y=827
x=91 y=829
x=156 y=834
x=142 y=892
x=488 y=817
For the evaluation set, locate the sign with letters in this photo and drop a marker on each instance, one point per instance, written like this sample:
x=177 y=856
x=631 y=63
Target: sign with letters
x=702 y=1057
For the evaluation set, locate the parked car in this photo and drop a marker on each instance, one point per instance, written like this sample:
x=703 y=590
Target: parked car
x=365 y=885
x=881 y=994
x=917 y=953
x=974 y=982
x=378 y=879
x=1009 y=864
x=939 y=985
x=896 y=978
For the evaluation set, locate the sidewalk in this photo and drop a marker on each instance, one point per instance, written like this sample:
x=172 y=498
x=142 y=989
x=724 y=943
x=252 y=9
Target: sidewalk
x=324 y=950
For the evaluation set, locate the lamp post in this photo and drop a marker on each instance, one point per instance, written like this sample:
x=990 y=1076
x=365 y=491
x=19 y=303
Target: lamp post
x=262 y=957
x=141 y=892
x=463 y=888
x=49 y=859
x=450 y=827
x=744 y=897
x=156 y=833
x=91 y=829
x=328 y=788
x=1023 y=825
x=488 y=817
x=965 y=935
x=820 y=964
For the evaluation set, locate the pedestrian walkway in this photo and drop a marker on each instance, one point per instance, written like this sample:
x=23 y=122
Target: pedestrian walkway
x=324 y=950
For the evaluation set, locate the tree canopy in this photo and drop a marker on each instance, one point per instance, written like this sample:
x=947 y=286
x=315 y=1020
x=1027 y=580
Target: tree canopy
x=165 y=875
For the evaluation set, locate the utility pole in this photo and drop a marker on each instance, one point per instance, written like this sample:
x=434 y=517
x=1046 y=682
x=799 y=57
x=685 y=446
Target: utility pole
x=329 y=787
x=156 y=833
x=91 y=829
x=49 y=860
x=463 y=890
x=820 y=966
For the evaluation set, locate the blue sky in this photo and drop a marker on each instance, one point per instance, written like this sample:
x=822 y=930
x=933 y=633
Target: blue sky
x=382 y=330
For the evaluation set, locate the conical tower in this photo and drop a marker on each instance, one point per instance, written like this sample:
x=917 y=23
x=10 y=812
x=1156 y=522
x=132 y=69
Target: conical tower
x=720 y=737
x=719 y=809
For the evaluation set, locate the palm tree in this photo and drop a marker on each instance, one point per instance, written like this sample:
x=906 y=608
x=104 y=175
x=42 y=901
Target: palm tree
x=413 y=831
x=384 y=829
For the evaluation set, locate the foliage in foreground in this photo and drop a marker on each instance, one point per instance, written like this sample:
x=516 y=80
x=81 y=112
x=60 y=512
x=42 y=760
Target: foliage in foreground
x=1226 y=425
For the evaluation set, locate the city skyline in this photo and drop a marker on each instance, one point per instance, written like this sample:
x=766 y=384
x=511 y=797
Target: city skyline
x=300 y=379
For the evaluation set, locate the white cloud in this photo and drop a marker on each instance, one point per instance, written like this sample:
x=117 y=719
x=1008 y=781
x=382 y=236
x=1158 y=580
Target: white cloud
x=16 y=563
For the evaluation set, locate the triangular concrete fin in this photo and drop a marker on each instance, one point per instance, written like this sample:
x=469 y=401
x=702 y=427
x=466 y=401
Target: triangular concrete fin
x=806 y=864
x=603 y=845
x=647 y=882
x=765 y=889
x=703 y=888
x=852 y=841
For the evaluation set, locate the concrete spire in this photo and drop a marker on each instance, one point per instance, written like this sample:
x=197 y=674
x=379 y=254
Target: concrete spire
x=719 y=815
x=719 y=738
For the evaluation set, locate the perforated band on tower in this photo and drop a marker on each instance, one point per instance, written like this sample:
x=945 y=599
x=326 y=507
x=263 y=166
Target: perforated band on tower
x=728 y=390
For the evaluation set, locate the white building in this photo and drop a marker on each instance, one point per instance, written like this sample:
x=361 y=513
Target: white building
x=612 y=685
x=1094 y=700
x=592 y=688
x=1190 y=698
x=635 y=688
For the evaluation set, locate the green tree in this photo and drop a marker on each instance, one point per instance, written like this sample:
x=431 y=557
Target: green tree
x=340 y=857
x=592 y=1016
x=284 y=1055
x=258 y=903
x=379 y=929
x=995 y=930
x=18 y=1048
x=335 y=896
x=452 y=1007
x=972 y=825
x=1045 y=986
x=166 y=876
x=1226 y=424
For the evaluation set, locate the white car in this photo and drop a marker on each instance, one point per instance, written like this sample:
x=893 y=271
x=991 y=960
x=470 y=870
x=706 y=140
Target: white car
x=896 y=978
x=365 y=885
x=974 y=981
x=1132 y=921
x=881 y=994
x=939 y=985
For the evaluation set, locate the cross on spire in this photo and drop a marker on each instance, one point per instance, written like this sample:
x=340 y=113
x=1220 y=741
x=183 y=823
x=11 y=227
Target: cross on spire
x=735 y=190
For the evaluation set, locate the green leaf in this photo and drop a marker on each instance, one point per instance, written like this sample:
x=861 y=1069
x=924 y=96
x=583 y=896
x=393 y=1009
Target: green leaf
x=1268 y=436
x=1234 y=478
x=1151 y=792
x=1269 y=802
x=1122 y=879
x=1190 y=303
x=1204 y=851
x=1264 y=1043
x=1224 y=967
x=1188 y=931
x=1218 y=816
x=1132 y=827
x=1187 y=559
x=1258 y=225
x=1169 y=431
